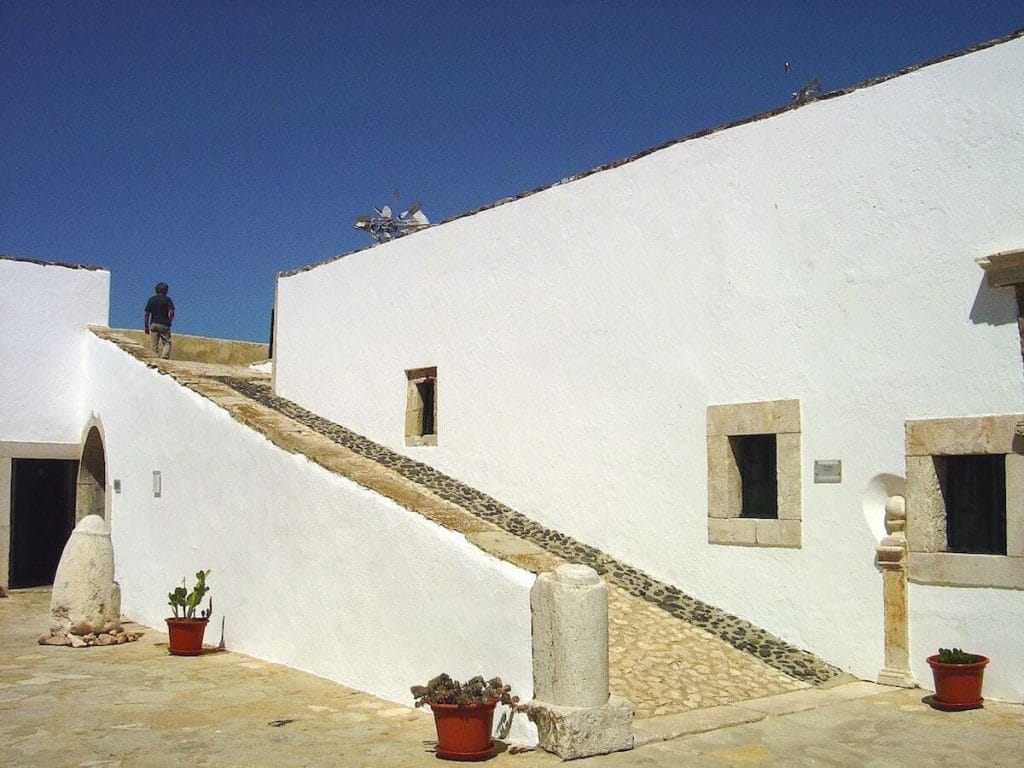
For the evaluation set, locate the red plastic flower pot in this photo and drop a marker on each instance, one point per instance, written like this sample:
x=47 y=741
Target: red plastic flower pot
x=957 y=686
x=464 y=732
x=185 y=636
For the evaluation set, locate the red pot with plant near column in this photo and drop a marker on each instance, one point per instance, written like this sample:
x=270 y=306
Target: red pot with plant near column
x=464 y=713
x=958 y=679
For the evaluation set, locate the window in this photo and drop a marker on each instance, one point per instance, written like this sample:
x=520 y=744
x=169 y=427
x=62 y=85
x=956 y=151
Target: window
x=756 y=461
x=754 y=474
x=974 y=492
x=421 y=406
x=965 y=501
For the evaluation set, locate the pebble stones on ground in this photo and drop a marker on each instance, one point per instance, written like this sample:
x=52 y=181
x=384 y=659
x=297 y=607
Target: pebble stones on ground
x=116 y=637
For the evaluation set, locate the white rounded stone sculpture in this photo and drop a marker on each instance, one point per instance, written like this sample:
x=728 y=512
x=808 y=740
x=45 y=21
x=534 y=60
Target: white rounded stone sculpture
x=85 y=597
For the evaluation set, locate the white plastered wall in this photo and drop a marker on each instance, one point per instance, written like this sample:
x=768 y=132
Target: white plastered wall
x=308 y=568
x=826 y=254
x=44 y=311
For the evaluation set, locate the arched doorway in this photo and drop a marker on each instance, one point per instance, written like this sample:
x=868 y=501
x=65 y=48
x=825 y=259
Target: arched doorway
x=92 y=478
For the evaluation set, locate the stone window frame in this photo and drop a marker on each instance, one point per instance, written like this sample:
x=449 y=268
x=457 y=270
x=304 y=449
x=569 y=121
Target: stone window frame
x=414 y=406
x=929 y=562
x=769 y=417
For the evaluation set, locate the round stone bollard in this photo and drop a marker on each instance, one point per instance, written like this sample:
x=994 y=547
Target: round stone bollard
x=570 y=659
x=85 y=597
x=572 y=709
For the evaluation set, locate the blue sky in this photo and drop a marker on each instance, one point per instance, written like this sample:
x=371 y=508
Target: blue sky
x=213 y=144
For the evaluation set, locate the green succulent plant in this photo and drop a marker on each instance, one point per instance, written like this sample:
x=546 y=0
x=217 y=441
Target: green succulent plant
x=186 y=602
x=956 y=656
x=445 y=690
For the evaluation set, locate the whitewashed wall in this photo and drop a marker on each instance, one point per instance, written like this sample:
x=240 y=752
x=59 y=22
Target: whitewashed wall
x=44 y=311
x=825 y=254
x=308 y=568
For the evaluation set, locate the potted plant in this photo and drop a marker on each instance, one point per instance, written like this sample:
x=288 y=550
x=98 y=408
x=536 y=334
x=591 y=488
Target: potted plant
x=184 y=630
x=464 y=713
x=958 y=678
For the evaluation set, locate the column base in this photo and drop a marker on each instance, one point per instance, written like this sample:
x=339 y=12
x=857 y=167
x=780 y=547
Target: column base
x=901 y=678
x=572 y=732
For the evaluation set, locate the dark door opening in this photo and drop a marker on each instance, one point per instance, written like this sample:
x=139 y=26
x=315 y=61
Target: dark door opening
x=42 y=518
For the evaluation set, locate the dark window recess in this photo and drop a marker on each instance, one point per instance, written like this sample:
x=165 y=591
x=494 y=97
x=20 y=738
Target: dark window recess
x=426 y=390
x=974 y=491
x=756 y=460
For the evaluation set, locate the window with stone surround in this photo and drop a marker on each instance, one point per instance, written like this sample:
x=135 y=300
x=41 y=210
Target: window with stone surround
x=421 y=406
x=965 y=501
x=754 y=474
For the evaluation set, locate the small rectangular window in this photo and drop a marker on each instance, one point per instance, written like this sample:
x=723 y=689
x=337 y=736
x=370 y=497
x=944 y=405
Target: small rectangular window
x=974 y=491
x=759 y=487
x=421 y=406
x=425 y=389
x=754 y=474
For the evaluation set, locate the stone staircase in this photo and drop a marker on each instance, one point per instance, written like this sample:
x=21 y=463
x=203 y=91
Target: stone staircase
x=668 y=653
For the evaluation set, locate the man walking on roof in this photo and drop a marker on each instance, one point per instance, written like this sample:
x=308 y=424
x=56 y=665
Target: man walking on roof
x=157 y=318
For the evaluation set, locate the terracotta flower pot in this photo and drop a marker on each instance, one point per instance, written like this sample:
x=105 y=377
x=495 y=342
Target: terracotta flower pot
x=185 y=636
x=464 y=732
x=957 y=686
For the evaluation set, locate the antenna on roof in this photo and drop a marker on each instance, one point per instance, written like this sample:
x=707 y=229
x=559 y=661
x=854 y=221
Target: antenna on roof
x=387 y=226
x=808 y=91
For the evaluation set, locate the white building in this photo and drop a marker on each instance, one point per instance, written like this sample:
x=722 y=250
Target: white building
x=716 y=361
x=602 y=355
x=308 y=568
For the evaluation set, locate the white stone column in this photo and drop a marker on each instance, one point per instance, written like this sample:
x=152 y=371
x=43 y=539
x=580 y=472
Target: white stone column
x=891 y=559
x=574 y=713
x=85 y=597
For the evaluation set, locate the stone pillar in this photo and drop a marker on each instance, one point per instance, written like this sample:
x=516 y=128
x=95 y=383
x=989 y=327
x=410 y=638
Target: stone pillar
x=891 y=560
x=85 y=597
x=574 y=713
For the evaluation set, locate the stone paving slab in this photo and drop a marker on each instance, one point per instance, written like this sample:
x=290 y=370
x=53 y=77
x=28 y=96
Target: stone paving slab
x=134 y=706
x=665 y=666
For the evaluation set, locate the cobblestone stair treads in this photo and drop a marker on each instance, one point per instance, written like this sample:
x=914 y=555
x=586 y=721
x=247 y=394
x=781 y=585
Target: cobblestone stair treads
x=742 y=635
x=668 y=653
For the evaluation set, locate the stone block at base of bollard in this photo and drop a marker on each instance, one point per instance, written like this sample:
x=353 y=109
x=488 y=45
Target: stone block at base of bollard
x=572 y=732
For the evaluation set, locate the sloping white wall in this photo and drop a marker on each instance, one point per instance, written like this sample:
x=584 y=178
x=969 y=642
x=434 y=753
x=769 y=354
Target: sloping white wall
x=44 y=311
x=825 y=254
x=308 y=568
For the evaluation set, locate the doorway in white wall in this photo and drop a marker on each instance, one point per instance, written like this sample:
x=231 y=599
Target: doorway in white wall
x=42 y=518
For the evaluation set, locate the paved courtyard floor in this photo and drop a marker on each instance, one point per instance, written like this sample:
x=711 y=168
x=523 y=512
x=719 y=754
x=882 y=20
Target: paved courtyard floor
x=133 y=705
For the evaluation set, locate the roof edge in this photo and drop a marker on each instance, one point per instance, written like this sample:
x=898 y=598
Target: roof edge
x=756 y=117
x=43 y=263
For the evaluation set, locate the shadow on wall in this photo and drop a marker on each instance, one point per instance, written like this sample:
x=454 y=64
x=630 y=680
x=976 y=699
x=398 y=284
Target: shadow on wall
x=993 y=306
x=874 y=499
x=200 y=349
